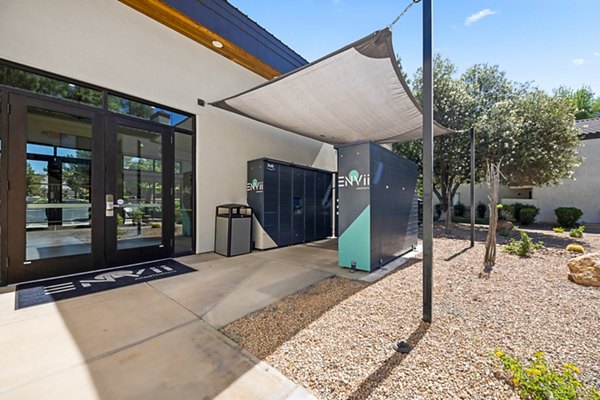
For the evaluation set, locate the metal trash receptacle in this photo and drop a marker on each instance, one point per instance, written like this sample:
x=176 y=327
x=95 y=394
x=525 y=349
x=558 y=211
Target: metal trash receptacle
x=233 y=229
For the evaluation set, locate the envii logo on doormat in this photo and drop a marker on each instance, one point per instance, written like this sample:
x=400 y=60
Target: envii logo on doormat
x=109 y=277
x=55 y=289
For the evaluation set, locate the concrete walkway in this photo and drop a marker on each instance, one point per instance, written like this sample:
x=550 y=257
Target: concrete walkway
x=158 y=340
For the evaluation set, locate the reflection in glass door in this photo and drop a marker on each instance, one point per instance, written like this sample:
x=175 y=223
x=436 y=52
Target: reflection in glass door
x=139 y=188
x=52 y=189
x=58 y=185
x=142 y=196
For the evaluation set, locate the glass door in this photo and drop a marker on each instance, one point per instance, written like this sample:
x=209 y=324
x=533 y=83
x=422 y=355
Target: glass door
x=55 y=189
x=139 y=197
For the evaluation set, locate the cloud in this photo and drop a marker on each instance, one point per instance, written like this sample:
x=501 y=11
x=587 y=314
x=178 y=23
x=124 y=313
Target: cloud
x=578 y=61
x=597 y=54
x=479 y=15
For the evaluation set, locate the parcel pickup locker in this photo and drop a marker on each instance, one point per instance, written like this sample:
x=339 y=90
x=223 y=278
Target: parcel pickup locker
x=292 y=204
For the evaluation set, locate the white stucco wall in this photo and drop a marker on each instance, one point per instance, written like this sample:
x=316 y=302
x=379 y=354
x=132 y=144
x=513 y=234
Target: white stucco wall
x=108 y=44
x=583 y=191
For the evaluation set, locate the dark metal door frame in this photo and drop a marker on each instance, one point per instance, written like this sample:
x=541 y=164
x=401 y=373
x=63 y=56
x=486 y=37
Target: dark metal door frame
x=13 y=265
x=140 y=254
x=17 y=267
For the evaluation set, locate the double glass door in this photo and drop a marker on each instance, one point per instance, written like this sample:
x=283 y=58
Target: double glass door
x=86 y=189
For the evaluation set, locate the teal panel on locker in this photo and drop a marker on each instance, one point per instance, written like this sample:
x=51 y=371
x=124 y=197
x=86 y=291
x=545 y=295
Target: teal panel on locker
x=354 y=245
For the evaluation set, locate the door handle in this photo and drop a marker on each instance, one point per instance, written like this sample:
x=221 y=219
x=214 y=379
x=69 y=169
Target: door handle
x=110 y=205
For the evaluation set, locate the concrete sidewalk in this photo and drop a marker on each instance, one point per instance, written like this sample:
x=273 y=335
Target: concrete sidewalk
x=159 y=339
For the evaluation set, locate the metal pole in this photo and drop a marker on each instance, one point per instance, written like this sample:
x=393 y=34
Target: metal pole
x=427 y=160
x=472 y=132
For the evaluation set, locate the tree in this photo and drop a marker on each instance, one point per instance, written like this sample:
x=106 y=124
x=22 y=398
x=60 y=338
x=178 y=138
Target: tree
x=458 y=103
x=587 y=105
x=33 y=182
x=531 y=140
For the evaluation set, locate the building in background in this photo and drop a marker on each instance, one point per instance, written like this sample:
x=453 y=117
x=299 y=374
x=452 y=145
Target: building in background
x=582 y=191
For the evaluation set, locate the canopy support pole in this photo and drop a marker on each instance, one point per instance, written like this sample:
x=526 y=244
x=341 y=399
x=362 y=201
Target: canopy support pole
x=472 y=132
x=427 y=160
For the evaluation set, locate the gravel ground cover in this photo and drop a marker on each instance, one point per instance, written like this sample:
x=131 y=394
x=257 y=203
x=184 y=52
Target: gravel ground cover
x=523 y=305
x=263 y=332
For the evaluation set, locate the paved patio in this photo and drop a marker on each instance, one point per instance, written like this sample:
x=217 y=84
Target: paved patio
x=159 y=339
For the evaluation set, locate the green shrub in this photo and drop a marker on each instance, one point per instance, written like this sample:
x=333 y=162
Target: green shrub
x=577 y=232
x=558 y=229
x=523 y=247
x=527 y=215
x=567 y=216
x=537 y=379
x=575 y=248
x=459 y=209
x=523 y=214
x=481 y=209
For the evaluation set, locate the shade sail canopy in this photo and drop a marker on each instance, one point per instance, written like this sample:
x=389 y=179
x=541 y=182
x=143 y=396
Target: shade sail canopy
x=352 y=95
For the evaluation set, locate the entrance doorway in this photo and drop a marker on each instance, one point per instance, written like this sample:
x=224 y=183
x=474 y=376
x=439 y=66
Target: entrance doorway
x=86 y=189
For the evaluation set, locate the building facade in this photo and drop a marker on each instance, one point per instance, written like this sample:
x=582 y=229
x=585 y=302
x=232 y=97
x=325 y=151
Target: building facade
x=582 y=191
x=110 y=152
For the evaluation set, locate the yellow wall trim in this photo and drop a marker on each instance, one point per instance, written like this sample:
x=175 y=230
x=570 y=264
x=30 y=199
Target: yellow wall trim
x=181 y=23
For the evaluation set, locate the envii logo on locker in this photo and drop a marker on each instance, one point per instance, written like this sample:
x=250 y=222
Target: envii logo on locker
x=254 y=186
x=355 y=179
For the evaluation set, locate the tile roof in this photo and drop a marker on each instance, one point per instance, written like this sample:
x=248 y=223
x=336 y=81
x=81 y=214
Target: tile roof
x=590 y=128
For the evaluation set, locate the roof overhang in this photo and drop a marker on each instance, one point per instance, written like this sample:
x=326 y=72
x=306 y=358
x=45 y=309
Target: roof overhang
x=185 y=25
x=353 y=95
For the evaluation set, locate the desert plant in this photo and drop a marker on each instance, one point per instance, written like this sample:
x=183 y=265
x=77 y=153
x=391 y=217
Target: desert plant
x=501 y=212
x=527 y=215
x=481 y=208
x=136 y=215
x=523 y=247
x=575 y=248
x=558 y=229
x=577 y=232
x=538 y=379
x=459 y=209
x=567 y=216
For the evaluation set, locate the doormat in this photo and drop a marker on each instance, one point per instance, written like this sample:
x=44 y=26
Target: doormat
x=49 y=290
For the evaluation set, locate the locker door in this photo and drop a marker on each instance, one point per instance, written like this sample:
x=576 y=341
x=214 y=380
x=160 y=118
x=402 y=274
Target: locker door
x=320 y=206
x=328 y=204
x=309 y=205
x=298 y=204
x=270 y=220
x=285 y=205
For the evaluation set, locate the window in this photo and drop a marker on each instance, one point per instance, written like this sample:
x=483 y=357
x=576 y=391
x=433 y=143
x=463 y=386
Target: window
x=36 y=83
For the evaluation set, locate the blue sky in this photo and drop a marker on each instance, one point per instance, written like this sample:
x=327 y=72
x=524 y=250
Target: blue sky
x=549 y=42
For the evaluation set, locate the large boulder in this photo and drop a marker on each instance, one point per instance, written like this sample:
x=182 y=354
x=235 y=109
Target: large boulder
x=585 y=270
x=504 y=226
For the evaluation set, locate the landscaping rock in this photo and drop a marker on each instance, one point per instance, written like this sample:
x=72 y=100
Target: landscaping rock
x=505 y=226
x=585 y=270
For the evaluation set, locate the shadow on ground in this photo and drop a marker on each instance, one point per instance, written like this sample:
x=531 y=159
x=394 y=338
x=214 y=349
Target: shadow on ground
x=536 y=232
x=264 y=331
x=383 y=372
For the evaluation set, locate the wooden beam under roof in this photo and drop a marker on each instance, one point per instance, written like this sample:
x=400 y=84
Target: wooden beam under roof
x=168 y=16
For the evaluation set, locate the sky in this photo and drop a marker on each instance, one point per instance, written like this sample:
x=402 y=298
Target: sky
x=547 y=42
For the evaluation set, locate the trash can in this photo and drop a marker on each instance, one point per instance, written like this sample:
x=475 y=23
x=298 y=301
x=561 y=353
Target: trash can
x=233 y=229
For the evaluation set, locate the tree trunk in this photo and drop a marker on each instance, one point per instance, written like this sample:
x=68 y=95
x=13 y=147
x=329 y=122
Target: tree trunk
x=449 y=211
x=493 y=182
